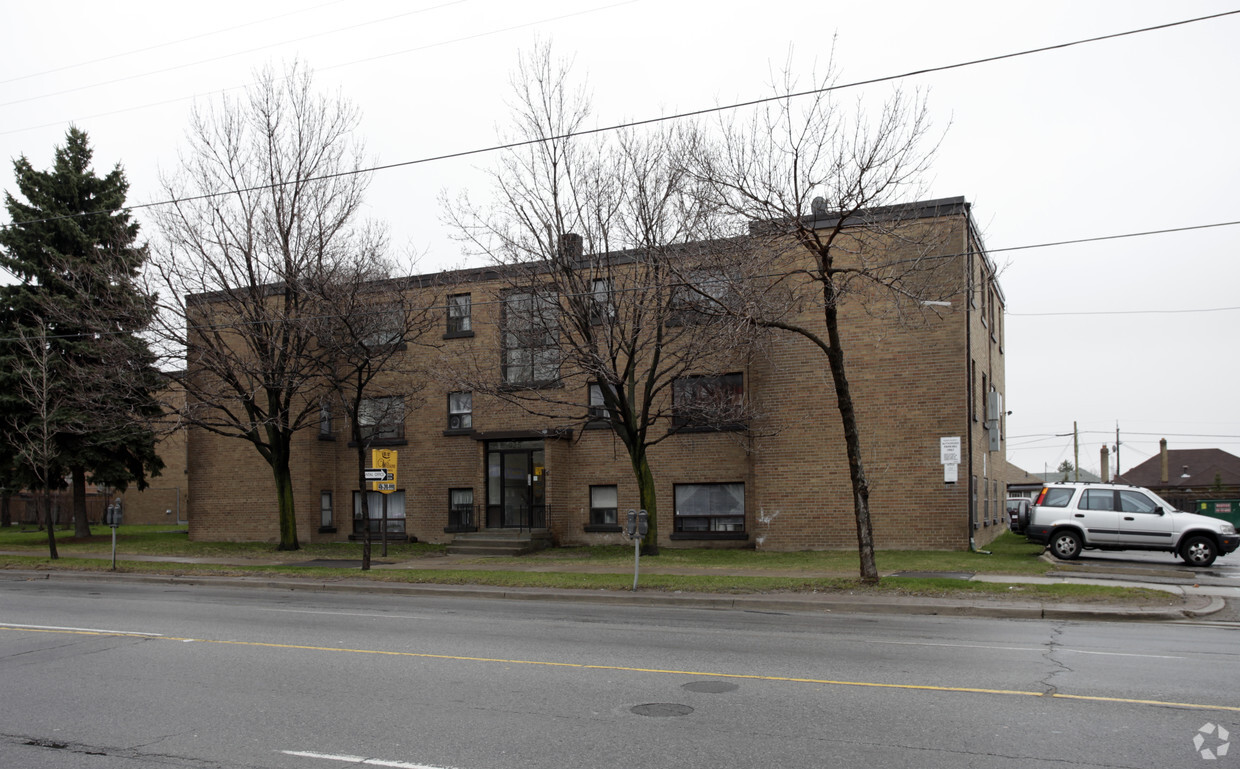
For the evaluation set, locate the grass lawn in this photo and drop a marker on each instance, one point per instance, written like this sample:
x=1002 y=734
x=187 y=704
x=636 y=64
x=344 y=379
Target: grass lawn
x=590 y=568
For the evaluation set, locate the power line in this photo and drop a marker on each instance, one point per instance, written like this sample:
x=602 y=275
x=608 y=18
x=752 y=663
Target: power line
x=226 y=55
x=428 y=46
x=166 y=44
x=678 y=116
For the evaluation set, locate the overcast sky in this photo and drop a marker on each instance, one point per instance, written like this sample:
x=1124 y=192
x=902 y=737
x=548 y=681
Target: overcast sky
x=1109 y=138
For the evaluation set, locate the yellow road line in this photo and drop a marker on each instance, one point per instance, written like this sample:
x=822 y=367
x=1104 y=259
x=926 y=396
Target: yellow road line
x=622 y=668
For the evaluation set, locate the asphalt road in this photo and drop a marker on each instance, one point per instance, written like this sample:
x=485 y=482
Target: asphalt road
x=104 y=674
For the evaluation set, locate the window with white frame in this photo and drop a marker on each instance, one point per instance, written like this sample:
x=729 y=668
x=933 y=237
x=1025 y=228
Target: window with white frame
x=461 y=508
x=460 y=411
x=325 y=417
x=531 y=355
x=709 y=507
x=602 y=307
x=603 y=503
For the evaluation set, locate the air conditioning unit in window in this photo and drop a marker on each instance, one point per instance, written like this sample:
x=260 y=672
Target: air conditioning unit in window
x=454 y=423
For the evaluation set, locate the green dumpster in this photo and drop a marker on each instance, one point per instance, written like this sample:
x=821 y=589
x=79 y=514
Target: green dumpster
x=1227 y=509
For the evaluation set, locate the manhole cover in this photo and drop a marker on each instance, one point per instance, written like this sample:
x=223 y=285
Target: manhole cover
x=711 y=687
x=935 y=574
x=661 y=709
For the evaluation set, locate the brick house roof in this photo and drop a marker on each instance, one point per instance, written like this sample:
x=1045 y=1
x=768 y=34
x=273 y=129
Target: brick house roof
x=1202 y=467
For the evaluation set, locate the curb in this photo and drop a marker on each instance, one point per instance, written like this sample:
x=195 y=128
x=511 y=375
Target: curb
x=820 y=603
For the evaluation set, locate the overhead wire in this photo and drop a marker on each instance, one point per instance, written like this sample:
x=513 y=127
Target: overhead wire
x=665 y=118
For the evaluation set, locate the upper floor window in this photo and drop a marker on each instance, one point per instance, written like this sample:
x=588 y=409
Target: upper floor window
x=598 y=406
x=460 y=411
x=381 y=419
x=602 y=307
x=716 y=401
x=460 y=315
x=383 y=327
x=702 y=295
x=325 y=417
x=531 y=339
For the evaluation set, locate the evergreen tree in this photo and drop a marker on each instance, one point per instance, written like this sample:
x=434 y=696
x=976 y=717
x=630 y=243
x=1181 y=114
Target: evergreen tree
x=73 y=247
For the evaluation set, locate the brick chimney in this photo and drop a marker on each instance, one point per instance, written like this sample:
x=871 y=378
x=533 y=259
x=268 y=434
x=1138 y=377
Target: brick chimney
x=1106 y=464
x=571 y=246
x=1162 y=452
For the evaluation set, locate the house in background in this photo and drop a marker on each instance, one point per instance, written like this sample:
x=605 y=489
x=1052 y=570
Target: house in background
x=929 y=397
x=1185 y=476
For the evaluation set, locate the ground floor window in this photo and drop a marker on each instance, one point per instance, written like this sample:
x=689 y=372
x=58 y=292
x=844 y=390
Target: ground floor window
x=395 y=503
x=603 y=506
x=461 y=510
x=710 y=507
x=326 y=514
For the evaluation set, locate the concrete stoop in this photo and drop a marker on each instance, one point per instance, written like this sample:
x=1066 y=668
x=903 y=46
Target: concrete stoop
x=507 y=542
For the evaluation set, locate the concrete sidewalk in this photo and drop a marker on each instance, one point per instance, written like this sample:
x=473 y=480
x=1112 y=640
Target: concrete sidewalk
x=1183 y=602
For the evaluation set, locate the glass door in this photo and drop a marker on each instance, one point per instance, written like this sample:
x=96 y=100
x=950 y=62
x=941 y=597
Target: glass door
x=516 y=497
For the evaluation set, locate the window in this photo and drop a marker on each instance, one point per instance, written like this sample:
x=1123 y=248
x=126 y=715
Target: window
x=460 y=321
x=598 y=406
x=603 y=506
x=382 y=327
x=1057 y=497
x=531 y=336
x=378 y=502
x=325 y=418
x=461 y=510
x=706 y=290
x=326 y=514
x=460 y=411
x=381 y=419
x=715 y=402
x=1098 y=499
x=1136 y=502
x=710 y=507
x=600 y=294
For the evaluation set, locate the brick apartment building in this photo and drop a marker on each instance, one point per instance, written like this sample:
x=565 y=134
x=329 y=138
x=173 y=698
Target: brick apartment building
x=469 y=461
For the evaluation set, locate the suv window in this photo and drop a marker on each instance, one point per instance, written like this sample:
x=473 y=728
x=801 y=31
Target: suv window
x=1057 y=497
x=1136 y=502
x=1098 y=499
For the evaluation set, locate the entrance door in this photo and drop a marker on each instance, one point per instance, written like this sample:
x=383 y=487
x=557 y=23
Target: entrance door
x=516 y=488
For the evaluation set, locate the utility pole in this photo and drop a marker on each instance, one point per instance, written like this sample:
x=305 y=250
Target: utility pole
x=1117 y=448
x=1076 y=453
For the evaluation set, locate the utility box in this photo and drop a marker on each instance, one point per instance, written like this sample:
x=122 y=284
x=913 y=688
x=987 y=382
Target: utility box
x=1227 y=509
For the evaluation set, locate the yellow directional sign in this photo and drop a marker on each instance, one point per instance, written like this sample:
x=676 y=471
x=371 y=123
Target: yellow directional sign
x=384 y=459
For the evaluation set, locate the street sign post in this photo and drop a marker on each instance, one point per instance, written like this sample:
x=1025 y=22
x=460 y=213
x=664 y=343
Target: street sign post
x=382 y=460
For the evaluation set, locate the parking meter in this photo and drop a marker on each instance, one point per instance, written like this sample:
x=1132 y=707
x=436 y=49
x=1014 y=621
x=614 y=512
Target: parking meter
x=630 y=523
x=636 y=524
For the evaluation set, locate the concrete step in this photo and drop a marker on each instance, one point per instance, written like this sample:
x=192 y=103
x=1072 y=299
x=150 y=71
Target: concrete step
x=499 y=542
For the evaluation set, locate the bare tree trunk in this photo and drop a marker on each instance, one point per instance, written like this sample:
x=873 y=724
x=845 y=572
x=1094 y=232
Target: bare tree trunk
x=646 y=492
x=852 y=440
x=51 y=526
x=81 y=526
x=6 y=510
x=284 y=494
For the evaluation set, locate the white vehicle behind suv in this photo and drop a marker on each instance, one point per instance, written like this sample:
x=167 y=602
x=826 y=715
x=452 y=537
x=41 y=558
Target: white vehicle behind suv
x=1070 y=517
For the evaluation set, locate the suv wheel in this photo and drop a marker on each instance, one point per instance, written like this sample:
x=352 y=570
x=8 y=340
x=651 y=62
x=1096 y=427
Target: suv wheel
x=1066 y=544
x=1199 y=551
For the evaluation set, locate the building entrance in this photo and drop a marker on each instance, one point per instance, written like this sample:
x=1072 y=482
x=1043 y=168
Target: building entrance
x=516 y=485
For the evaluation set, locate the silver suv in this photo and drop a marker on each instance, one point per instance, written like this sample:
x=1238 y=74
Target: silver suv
x=1070 y=517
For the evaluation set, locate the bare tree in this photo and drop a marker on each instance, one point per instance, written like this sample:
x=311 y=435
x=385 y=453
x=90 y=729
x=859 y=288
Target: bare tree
x=36 y=435
x=820 y=190
x=369 y=322
x=268 y=200
x=596 y=324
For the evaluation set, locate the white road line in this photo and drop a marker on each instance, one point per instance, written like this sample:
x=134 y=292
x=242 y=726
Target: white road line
x=360 y=760
x=80 y=629
x=352 y=614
